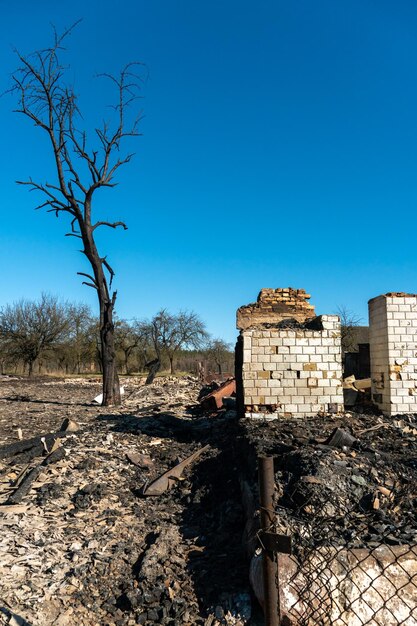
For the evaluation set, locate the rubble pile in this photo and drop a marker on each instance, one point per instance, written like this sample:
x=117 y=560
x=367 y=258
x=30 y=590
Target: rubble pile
x=347 y=480
x=135 y=515
x=166 y=393
x=85 y=546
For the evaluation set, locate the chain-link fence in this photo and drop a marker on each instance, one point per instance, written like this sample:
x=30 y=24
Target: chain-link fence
x=353 y=557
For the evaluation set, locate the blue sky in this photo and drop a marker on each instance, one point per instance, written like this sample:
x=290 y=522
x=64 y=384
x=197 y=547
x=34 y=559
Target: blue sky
x=278 y=148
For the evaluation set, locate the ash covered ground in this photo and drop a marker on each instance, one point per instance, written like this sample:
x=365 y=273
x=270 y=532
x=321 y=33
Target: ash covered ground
x=347 y=480
x=84 y=546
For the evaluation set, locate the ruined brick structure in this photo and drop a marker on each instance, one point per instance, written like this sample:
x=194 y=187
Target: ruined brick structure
x=275 y=305
x=393 y=345
x=288 y=362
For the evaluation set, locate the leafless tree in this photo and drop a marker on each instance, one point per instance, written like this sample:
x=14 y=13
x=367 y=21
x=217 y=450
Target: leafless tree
x=170 y=333
x=155 y=331
x=78 y=348
x=348 y=322
x=219 y=351
x=28 y=329
x=81 y=169
x=127 y=339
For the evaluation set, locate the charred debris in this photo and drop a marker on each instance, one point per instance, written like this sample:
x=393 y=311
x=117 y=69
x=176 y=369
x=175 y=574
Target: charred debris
x=150 y=513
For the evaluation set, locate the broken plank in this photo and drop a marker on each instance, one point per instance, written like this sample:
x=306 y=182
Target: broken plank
x=12 y=509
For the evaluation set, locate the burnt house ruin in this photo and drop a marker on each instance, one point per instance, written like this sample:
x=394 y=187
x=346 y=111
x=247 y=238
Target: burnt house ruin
x=393 y=346
x=288 y=360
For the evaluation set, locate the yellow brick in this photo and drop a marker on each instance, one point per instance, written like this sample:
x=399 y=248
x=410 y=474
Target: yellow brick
x=264 y=375
x=310 y=367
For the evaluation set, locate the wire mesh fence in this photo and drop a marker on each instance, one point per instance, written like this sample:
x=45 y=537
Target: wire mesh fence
x=354 y=545
x=337 y=584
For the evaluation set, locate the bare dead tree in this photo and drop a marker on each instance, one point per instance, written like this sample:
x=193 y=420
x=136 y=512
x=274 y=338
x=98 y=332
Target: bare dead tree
x=219 y=351
x=127 y=339
x=153 y=331
x=349 y=321
x=29 y=328
x=47 y=100
x=171 y=333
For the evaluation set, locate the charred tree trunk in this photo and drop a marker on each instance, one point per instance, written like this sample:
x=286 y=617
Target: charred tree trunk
x=111 y=385
x=154 y=367
x=171 y=364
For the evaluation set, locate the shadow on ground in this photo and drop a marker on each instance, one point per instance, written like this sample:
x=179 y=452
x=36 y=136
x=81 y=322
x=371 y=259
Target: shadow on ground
x=13 y=617
x=29 y=400
x=210 y=499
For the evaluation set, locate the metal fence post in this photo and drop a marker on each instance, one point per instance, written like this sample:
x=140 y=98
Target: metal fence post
x=269 y=565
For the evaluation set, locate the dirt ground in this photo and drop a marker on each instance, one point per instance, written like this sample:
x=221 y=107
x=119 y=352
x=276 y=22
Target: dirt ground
x=84 y=547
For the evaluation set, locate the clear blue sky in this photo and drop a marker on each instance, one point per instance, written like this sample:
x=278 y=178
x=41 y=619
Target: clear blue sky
x=279 y=149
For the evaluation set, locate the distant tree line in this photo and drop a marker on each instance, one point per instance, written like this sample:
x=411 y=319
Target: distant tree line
x=53 y=336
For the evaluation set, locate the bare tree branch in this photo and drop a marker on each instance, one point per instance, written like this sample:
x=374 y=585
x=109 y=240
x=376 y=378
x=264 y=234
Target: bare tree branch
x=110 y=224
x=90 y=285
x=87 y=276
x=109 y=269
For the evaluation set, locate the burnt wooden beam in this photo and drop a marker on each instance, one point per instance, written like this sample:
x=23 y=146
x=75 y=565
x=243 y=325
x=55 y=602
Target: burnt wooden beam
x=27 y=482
x=33 y=444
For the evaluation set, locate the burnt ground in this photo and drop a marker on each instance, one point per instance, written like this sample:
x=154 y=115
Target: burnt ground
x=356 y=489
x=85 y=547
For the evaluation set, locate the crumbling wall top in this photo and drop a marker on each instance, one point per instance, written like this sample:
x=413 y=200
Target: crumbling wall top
x=275 y=305
x=394 y=294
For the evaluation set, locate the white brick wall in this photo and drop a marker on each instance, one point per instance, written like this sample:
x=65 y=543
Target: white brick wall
x=292 y=372
x=393 y=350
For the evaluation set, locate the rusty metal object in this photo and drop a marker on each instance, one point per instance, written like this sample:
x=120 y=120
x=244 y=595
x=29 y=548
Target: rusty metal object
x=214 y=400
x=269 y=565
x=168 y=479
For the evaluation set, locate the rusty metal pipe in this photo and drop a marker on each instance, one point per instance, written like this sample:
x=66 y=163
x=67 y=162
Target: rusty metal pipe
x=269 y=565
